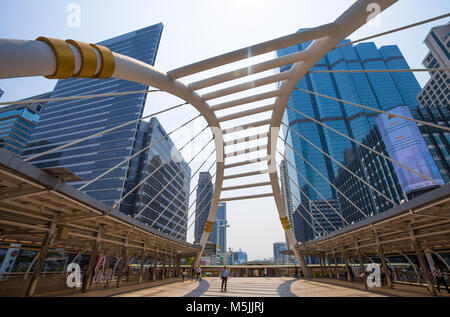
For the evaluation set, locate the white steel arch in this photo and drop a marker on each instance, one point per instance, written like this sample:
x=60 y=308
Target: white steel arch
x=59 y=59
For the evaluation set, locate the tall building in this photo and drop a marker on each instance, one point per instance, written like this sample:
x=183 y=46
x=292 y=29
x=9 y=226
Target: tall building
x=437 y=140
x=17 y=123
x=163 y=198
x=436 y=92
x=434 y=98
x=239 y=257
x=65 y=121
x=278 y=247
x=429 y=155
x=383 y=91
x=375 y=170
x=221 y=225
x=286 y=194
x=203 y=205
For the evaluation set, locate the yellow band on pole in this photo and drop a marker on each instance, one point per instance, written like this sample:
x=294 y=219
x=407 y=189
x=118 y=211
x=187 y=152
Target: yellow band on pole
x=285 y=223
x=108 y=64
x=286 y=226
x=208 y=226
x=65 y=60
x=88 y=59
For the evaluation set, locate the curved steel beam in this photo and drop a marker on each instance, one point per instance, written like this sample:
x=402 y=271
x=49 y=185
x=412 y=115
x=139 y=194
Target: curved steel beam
x=19 y=58
x=351 y=20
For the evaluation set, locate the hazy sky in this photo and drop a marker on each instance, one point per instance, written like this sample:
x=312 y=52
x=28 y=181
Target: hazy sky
x=198 y=29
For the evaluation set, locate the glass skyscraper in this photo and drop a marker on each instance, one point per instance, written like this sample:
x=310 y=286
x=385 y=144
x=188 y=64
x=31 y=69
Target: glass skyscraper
x=17 y=123
x=279 y=247
x=65 y=121
x=383 y=91
x=162 y=170
x=220 y=226
x=375 y=170
x=203 y=204
x=437 y=140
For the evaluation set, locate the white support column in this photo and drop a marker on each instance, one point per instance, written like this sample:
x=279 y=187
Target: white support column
x=287 y=228
x=352 y=19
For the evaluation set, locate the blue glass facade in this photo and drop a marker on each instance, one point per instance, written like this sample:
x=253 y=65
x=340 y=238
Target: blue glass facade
x=221 y=225
x=65 y=121
x=378 y=90
x=279 y=247
x=239 y=257
x=375 y=170
x=17 y=123
x=170 y=175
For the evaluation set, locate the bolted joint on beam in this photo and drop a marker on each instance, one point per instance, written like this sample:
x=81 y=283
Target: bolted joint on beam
x=95 y=61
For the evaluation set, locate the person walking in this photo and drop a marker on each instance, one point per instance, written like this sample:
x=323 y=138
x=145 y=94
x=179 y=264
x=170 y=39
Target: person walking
x=183 y=275
x=108 y=276
x=439 y=278
x=199 y=273
x=193 y=273
x=224 y=277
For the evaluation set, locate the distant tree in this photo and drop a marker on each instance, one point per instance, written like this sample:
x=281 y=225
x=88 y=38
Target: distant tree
x=189 y=261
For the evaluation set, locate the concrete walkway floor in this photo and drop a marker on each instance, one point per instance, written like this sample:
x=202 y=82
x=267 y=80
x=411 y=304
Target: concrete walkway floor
x=250 y=287
x=253 y=287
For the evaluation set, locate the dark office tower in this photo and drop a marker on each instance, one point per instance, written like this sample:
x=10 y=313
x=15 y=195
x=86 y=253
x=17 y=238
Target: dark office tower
x=17 y=123
x=384 y=91
x=437 y=140
x=301 y=218
x=203 y=204
x=437 y=90
x=162 y=200
x=65 y=121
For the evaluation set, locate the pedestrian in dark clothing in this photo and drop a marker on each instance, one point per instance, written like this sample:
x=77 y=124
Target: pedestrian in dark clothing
x=224 y=277
x=183 y=275
x=439 y=278
x=350 y=271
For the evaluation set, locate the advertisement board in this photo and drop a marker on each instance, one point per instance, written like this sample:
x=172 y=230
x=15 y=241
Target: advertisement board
x=9 y=260
x=405 y=144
